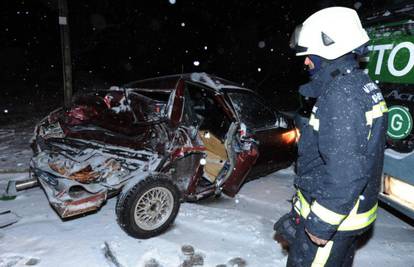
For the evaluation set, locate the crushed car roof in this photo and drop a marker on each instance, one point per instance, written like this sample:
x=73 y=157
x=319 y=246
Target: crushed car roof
x=169 y=82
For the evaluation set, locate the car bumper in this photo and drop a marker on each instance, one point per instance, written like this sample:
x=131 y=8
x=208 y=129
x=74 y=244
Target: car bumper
x=70 y=198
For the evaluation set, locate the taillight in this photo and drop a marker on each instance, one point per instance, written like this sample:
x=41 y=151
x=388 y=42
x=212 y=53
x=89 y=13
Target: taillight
x=399 y=190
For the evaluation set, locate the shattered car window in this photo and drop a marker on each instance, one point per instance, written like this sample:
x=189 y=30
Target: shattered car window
x=158 y=95
x=146 y=109
x=102 y=108
x=209 y=114
x=113 y=111
x=253 y=112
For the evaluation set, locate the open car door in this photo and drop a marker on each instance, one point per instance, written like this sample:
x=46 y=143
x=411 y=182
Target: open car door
x=243 y=153
x=229 y=153
x=276 y=137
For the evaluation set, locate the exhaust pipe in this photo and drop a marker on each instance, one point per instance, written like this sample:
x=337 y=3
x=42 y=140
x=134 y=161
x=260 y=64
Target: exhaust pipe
x=14 y=186
x=26 y=184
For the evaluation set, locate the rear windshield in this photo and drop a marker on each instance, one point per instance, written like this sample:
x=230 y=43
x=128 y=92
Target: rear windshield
x=146 y=109
x=126 y=106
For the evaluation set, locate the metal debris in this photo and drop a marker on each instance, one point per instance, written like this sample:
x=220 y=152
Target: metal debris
x=237 y=262
x=7 y=218
x=190 y=257
x=110 y=256
x=187 y=250
x=152 y=263
x=32 y=262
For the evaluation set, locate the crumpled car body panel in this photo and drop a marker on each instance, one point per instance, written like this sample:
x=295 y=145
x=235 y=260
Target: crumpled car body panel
x=107 y=139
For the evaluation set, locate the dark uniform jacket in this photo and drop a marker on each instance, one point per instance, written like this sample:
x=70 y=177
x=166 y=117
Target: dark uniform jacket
x=341 y=147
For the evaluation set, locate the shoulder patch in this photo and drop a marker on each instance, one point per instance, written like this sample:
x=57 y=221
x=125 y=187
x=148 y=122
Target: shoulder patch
x=369 y=87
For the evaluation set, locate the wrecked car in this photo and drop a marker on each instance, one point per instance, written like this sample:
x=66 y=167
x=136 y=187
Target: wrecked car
x=156 y=143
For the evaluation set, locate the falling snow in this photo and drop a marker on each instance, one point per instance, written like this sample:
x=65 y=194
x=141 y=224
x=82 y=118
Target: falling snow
x=262 y=44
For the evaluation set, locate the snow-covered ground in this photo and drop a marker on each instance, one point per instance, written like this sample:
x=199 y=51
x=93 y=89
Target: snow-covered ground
x=15 y=151
x=219 y=229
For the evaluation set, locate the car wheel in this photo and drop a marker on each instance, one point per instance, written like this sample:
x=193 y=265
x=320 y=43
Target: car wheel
x=148 y=208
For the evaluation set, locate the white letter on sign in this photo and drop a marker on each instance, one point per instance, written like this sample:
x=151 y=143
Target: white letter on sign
x=381 y=49
x=396 y=122
x=410 y=64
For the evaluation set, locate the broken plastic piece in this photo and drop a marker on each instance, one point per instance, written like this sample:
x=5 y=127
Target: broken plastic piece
x=7 y=217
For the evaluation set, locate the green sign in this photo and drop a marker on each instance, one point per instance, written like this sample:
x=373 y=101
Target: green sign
x=400 y=122
x=392 y=59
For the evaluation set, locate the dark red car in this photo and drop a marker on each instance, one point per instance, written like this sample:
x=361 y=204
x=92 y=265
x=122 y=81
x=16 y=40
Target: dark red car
x=155 y=143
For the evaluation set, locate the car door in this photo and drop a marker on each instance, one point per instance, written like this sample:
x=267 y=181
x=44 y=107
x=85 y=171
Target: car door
x=243 y=154
x=225 y=140
x=274 y=133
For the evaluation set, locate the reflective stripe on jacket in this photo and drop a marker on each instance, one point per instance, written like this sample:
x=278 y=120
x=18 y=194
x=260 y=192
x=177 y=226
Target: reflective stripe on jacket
x=352 y=222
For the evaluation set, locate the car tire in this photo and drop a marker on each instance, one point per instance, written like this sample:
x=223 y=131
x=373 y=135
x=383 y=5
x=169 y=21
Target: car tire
x=148 y=208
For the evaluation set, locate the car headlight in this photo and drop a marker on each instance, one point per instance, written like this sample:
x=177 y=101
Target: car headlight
x=399 y=190
x=291 y=136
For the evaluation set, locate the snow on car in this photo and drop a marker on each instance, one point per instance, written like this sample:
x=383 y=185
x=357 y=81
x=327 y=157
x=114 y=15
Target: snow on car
x=155 y=143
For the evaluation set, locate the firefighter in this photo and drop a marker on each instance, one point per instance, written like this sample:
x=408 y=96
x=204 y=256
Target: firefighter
x=341 y=146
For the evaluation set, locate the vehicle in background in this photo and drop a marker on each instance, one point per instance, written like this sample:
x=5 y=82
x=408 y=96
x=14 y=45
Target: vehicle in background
x=155 y=143
x=390 y=62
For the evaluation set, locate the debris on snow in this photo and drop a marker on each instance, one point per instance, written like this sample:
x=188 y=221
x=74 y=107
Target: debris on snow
x=220 y=229
x=152 y=263
x=32 y=262
x=8 y=218
x=11 y=260
x=191 y=258
x=237 y=262
x=187 y=250
x=110 y=256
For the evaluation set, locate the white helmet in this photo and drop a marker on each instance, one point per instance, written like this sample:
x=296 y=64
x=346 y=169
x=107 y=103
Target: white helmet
x=329 y=33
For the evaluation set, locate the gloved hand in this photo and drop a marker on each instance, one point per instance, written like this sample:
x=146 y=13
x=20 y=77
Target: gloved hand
x=318 y=241
x=285 y=227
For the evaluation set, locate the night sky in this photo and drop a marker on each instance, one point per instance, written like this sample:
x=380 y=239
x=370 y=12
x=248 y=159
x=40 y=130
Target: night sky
x=115 y=42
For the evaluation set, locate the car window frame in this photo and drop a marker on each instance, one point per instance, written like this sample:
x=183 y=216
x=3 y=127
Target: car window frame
x=262 y=102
